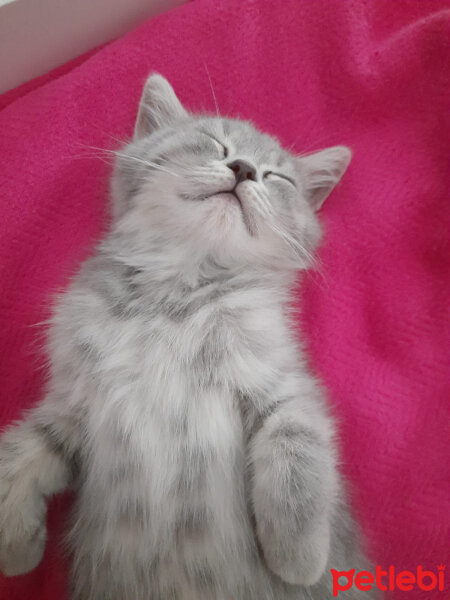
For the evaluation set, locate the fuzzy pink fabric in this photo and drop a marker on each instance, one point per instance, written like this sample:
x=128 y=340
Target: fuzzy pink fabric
x=373 y=75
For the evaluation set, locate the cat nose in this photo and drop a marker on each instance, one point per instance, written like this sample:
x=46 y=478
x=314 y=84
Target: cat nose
x=242 y=170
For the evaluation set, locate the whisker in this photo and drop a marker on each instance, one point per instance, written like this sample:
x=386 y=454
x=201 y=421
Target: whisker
x=264 y=197
x=103 y=159
x=317 y=268
x=292 y=242
x=289 y=239
x=311 y=147
x=212 y=90
x=122 y=142
x=147 y=163
x=184 y=167
x=263 y=209
x=102 y=150
x=127 y=156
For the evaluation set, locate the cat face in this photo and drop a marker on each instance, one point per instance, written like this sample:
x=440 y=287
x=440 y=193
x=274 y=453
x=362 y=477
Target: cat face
x=217 y=188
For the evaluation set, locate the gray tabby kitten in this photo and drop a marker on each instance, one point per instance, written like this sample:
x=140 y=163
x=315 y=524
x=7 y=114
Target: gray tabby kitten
x=179 y=404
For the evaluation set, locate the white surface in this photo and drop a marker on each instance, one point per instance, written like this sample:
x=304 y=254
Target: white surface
x=39 y=35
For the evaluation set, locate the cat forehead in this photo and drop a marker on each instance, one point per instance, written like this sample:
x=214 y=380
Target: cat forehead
x=240 y=136
x=238 y=131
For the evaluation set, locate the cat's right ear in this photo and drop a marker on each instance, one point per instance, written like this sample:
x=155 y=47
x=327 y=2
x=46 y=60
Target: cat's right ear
x=159 y=106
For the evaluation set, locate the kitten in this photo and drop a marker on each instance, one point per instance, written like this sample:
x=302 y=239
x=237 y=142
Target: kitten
x=179 y=404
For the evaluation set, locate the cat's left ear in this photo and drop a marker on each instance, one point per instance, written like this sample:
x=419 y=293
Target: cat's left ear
x=159 y=107
x=321 y=171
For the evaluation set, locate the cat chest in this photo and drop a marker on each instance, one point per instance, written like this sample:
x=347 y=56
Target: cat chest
x=230 y=348
x=183 y=456
x=173 y=387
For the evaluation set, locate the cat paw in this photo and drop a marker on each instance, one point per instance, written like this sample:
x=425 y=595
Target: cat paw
x=22 y=554
x=301 y=561
x=23 y=531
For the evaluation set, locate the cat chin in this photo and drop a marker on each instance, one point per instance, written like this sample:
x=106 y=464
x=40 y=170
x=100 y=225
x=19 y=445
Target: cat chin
x=231 y=212
x=229 y=197
x=224 y=212
x=227 y=202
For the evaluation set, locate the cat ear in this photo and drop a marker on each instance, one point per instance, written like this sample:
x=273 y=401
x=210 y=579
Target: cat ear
x=159 y=106
x=321 y=171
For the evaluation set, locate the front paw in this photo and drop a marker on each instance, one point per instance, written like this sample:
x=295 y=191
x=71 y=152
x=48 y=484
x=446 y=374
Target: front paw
x=22 y=554
x=299 y=560
x=23 y=531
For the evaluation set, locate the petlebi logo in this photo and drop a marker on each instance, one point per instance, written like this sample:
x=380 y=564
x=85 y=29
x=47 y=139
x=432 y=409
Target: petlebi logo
x=389 y=579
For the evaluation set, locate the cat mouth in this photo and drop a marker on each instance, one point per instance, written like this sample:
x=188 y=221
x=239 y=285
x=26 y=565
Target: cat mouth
x=231 y=193
x=232 y=196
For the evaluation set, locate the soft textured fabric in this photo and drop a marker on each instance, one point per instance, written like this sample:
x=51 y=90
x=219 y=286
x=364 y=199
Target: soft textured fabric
x=372 y=75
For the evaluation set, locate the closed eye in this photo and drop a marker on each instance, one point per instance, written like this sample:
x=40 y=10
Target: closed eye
x=268 y=174
x=222 y=147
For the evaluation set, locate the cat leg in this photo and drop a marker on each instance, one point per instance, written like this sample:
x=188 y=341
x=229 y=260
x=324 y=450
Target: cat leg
x=294 y=487
x=33 y=466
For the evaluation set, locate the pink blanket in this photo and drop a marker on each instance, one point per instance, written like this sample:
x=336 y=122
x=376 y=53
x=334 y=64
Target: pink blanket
x=372 y=75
